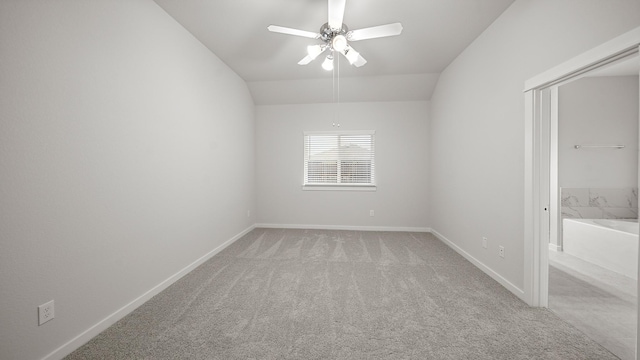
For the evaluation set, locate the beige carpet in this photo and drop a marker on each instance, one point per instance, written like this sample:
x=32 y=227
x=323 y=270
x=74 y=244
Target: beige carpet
x=311 y=294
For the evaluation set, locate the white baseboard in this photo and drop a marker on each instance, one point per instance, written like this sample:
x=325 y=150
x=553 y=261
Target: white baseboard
x=487 y=270
x=96 y=329
x=344 y=227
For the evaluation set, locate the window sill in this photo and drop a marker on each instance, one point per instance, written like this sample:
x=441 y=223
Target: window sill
x=339 y=188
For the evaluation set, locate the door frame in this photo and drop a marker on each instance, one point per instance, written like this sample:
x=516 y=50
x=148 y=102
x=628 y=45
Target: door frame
x=540 y=96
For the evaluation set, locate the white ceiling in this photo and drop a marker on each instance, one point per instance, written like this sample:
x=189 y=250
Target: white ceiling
x=435 y=32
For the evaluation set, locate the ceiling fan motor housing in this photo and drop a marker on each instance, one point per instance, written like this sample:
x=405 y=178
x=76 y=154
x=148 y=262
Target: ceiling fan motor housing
x=327 y=34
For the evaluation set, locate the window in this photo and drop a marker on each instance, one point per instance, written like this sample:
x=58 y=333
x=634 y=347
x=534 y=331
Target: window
x=334 y=160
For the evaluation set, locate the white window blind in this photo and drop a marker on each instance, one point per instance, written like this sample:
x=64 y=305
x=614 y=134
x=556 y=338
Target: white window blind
x=339 y=158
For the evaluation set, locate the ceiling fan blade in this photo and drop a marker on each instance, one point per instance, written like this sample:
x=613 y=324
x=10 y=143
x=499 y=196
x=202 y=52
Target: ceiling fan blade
x=336 y=14
x=290 y=31
x=375 y=32
x=307 y=59
x=313 y=52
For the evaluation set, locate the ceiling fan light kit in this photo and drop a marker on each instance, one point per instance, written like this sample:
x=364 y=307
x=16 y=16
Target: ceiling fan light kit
x=336 y=36
x=327 y=64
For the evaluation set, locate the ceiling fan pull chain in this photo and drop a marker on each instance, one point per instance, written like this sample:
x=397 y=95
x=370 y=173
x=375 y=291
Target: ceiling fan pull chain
x=338 y=107
x=333 y=89
x=333 y=94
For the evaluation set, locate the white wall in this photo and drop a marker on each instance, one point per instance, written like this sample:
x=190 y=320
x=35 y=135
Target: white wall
x=597 y=111
x=126 y=153
x=401 y=165
x=477 y=121
x=405 y=87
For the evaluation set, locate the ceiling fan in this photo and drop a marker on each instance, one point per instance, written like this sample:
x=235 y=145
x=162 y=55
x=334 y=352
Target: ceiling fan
x=336 y=36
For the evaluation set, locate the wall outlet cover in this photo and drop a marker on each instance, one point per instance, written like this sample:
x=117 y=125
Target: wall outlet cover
x=45 y=312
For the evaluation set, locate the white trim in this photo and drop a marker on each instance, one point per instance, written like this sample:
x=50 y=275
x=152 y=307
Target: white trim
x=340 y=132
x=585 y=61
x=339 y=188
x=103 y=324
x=344 y=227
x=487 y=270
x=542 y=141
x=555 y=206
x=638 y=284
x=530 y=259
x=554 y=247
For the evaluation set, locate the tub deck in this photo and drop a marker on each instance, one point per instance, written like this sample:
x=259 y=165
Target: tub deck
x=611 y=244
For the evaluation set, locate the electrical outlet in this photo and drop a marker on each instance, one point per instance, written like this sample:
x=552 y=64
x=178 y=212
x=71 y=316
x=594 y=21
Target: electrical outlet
x=45 y=312
x=248 y=213
x=484 y=242
x=371 y=213
x=501 y=251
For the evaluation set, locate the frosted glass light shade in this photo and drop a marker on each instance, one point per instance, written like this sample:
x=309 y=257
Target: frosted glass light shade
x=327 y=64
x=339 y=43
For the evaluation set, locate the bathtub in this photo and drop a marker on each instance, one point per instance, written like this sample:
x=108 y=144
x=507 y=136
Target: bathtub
x=611 y=244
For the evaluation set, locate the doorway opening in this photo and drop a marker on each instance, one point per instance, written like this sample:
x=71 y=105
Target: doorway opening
x=543 y=199
x=593 y=247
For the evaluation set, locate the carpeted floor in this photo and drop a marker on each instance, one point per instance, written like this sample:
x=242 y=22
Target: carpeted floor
x=312 y=294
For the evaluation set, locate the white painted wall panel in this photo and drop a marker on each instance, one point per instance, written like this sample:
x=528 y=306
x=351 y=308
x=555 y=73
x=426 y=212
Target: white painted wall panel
x=126 y=153
x=598 y=111
x=476 y=144
x=401 y=165
x=413 y=87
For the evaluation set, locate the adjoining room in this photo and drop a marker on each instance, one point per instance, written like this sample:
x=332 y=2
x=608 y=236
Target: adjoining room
x=593 y=254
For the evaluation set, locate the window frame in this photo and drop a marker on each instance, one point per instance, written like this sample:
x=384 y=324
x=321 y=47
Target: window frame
x=371 y=186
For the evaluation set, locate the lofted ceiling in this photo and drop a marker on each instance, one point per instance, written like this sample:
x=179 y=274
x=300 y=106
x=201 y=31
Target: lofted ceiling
x=435 y=32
